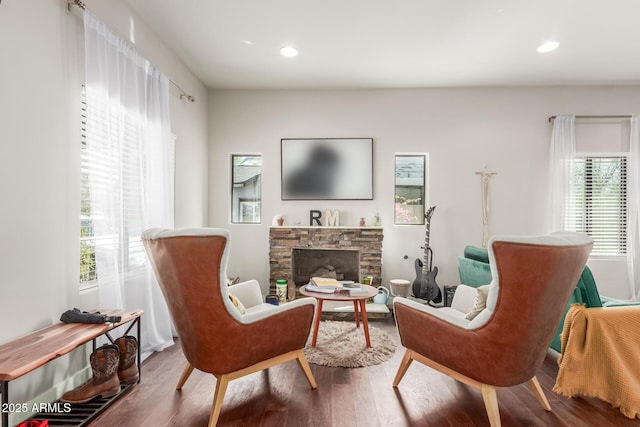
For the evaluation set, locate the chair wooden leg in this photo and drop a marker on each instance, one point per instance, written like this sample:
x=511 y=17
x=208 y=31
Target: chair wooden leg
x=221 y=387
x=402 y=369
x=316 y=322
x=304 y=365
x=491 y=404
x=185 y=375
x=534 y=385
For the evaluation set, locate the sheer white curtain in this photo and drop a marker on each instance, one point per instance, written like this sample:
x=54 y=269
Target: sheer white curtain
x=633 y=203
x=563 y=152
x=130 y=158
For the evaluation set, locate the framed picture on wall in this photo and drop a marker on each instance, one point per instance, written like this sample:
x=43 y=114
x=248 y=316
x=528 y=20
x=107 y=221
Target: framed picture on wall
x=327 y=169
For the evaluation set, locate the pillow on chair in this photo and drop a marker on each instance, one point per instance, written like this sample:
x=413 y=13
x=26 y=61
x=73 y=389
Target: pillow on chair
x=481 y=302
x=238 y=304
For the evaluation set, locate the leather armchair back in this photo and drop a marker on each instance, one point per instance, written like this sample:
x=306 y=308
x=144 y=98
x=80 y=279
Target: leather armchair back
x=536 y=281
x=533 y=279
x=190 y=266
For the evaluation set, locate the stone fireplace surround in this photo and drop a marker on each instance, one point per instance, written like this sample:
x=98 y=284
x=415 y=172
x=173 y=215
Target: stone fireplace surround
x=366 y=240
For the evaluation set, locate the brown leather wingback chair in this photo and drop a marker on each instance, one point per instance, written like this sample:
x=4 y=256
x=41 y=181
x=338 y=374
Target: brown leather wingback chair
x=533 y=278
x=190 y=265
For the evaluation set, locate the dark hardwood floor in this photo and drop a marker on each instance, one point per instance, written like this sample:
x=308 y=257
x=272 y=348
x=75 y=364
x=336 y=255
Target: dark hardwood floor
x=364 y=397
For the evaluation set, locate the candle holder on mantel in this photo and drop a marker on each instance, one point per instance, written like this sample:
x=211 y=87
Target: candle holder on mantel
x=362 y=222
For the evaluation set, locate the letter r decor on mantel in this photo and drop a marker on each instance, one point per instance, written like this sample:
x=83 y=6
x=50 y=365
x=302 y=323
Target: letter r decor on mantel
x=314 y=216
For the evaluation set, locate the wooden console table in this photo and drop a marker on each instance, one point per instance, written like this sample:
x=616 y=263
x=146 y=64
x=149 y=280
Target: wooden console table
x=38 y=348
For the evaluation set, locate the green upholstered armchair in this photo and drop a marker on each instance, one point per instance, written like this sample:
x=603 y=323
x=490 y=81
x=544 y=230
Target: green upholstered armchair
x=474 y=271
x=474 y=267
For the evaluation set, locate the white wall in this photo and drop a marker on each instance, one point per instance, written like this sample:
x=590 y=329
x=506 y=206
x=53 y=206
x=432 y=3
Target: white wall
x=40 y=42
x=462 y=129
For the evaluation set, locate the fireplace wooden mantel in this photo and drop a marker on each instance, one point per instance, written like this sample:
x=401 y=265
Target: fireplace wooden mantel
x=282 y=240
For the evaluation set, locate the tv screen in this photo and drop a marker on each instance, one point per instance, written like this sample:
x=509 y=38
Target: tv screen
x=327 y=169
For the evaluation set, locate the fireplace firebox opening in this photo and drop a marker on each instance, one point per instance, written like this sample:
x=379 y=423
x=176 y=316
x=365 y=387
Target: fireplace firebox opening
x=339 y=264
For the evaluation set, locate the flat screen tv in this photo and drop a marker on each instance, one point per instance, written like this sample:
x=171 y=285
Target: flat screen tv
x=327 y=169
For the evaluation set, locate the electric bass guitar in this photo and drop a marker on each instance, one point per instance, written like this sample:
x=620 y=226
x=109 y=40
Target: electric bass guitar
x=424 y=285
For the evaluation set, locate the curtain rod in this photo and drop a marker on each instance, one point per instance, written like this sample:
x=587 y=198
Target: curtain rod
x=75 y=3
x=625 y=116
x=183 y=93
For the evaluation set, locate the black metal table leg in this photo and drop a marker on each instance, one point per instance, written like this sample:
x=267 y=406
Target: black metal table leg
x=139 y=351
x=5 y=403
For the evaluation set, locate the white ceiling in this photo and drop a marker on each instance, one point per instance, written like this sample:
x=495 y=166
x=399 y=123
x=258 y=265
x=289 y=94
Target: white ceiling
x=402 y=43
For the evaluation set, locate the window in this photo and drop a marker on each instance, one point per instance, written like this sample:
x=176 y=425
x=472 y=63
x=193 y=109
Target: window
x=87 y=239
x=126 y=172
x=246 y=189
x=598 y=206
x=410 y=188
x=117 y=158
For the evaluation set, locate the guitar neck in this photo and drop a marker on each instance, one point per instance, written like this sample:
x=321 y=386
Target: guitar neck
x=426 y=259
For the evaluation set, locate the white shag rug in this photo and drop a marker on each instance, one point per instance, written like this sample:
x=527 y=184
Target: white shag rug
x=341 y=344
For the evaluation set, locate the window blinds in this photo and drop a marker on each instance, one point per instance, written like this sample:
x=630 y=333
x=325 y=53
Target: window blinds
x=598 y=205
x=116 y=158
x=87 y=240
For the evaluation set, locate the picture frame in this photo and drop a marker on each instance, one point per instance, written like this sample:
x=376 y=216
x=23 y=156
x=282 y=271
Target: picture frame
x=326 y=168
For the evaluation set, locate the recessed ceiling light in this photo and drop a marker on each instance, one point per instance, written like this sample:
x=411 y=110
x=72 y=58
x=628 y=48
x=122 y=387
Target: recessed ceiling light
x=289 y=51
x=548 y=46
x=247 y=42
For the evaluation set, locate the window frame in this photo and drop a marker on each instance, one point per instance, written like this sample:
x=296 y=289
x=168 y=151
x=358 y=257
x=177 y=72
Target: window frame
x=420 y=218
x=236 y=203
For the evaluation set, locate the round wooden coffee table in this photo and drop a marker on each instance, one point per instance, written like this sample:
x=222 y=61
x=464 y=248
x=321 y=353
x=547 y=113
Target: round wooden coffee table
x=359 y=307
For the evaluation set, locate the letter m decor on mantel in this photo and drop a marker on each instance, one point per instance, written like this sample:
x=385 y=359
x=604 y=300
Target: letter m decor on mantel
x=359 y=245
